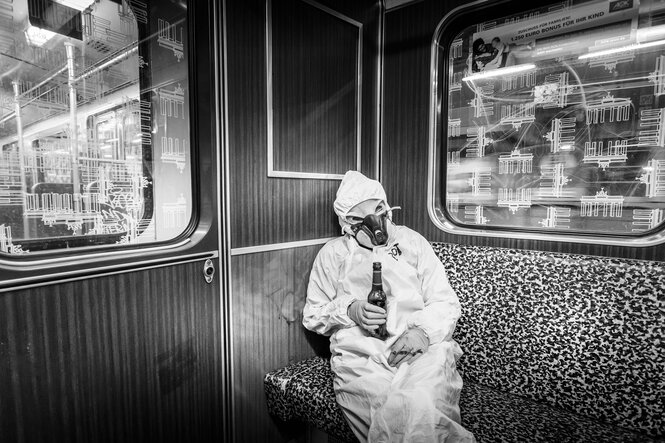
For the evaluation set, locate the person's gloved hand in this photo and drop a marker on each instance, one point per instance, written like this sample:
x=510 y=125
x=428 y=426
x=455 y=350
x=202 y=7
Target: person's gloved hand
x=409 y=346
x=367 y=315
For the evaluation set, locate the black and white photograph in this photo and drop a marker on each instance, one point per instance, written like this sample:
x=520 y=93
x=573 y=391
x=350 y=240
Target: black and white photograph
x=332 y=221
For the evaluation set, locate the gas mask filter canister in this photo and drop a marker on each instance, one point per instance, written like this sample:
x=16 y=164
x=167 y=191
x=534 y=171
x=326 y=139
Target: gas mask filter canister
x=372 y=230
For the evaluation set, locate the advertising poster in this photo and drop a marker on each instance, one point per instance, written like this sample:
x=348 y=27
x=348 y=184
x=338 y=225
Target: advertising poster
x=594 y=26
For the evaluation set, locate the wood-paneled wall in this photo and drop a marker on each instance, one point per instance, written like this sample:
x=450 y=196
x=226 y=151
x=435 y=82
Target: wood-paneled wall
x=274 y=210
x=405 y=132
x=269 y=291
x=269 y=288
x=315 y=88
x=129 y=357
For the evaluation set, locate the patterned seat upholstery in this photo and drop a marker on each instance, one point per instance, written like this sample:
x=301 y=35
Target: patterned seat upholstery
x=304 y=391
x=558 y=348
x=498 y=416
x=581 y=333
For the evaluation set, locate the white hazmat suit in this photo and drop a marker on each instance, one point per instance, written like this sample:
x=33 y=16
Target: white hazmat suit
x=416 y=401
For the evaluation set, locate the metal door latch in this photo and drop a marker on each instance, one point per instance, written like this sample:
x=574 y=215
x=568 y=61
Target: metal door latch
x=208 y=270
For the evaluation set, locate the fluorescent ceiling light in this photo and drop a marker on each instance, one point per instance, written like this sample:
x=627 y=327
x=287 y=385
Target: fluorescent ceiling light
x=621 y=49
x=650 y=32
x=37 y=36
x=80 y=5
x=500 y=71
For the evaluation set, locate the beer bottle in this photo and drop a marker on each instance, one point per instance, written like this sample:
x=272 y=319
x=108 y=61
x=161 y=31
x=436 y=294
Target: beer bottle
x=378 y=298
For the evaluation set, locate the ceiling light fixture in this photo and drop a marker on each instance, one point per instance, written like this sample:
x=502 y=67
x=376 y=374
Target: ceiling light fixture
x=500 y=71
x=37 y=36
x=621 y=49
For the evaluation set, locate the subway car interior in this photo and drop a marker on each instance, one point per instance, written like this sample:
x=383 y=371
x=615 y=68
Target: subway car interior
x=186 y=249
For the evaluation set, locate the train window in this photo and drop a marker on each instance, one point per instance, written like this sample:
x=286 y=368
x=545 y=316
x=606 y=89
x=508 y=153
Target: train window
x=552 y=120
x=94 y=123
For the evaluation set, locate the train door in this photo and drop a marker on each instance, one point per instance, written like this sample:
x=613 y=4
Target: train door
x=112 y=262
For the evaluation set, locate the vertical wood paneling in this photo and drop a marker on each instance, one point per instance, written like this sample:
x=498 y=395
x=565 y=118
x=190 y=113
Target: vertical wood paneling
x=269 y=292
x=269 y=289
x=408 y=35
x=131 y=357
x=315 y=62
x=274 y=210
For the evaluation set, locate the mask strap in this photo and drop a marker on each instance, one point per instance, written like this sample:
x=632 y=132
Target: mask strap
x=387 y=209
x=347 y=230
x=390 y=212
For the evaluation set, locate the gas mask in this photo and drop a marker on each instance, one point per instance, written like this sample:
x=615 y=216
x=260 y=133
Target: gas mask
x=372 y=231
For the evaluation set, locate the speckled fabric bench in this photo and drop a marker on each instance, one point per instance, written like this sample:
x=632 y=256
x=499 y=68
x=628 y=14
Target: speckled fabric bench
x=304 y=391
x=558 y=348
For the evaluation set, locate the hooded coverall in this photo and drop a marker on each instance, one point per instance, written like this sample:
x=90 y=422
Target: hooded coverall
x=414 y=402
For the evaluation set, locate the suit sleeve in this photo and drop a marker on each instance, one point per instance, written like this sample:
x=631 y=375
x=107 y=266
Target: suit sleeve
x=442 y=308
x=325 y=311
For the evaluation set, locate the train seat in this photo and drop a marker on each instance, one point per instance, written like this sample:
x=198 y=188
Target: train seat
x=557 y=348
x=304 y=391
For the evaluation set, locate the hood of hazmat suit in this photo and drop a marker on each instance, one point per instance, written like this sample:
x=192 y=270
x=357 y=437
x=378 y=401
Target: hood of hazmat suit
x=355 y=188
x=416 y=401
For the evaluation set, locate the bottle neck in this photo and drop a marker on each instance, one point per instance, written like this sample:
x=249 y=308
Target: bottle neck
x=377 y=282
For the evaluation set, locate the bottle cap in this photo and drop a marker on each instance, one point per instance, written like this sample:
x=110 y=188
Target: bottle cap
x=376 y=266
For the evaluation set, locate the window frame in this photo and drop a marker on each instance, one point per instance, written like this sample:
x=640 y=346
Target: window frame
x=448 y=27
x=199 y=239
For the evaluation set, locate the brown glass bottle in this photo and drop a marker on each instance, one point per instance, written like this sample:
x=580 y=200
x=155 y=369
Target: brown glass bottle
x=378 y=298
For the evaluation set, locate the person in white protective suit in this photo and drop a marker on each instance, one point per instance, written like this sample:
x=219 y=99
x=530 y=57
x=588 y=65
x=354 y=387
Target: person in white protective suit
x=406 y=387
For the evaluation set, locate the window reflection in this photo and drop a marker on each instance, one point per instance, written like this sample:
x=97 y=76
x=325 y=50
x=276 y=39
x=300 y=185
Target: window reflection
x=90 y=155
x=555 y=119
